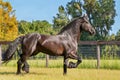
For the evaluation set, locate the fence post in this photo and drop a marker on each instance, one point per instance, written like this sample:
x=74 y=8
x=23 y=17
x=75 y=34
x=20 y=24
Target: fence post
x=98 y=56
x=47 y=60
x=0 y=54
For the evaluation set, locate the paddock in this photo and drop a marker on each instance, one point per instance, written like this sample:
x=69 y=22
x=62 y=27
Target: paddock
x=87 y=70
x=39 y=72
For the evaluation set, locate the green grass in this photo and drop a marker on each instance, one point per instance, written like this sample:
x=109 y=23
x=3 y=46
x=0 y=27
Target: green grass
x=110 y=70
x=86 y=64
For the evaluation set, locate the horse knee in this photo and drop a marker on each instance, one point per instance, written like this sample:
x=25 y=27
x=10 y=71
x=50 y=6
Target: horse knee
x=80 y=60
x=19 y=62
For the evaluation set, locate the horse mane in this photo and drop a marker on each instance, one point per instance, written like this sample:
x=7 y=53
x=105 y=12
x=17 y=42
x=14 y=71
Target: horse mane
x=69 y=25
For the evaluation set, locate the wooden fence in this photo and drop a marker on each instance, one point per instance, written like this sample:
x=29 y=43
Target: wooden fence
x=95 y=43
x=98 y=44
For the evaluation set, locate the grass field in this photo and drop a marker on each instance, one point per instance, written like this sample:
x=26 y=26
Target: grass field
x=86 y=64
x=8 y=73
x=110 y=70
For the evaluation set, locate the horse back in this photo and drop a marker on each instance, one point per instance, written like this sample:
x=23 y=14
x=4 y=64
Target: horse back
x=43 y=38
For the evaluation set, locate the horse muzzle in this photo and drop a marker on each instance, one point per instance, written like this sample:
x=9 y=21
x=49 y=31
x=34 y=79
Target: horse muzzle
x=92 y=31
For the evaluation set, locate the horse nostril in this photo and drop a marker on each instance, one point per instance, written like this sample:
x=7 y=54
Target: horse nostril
x=93 y=31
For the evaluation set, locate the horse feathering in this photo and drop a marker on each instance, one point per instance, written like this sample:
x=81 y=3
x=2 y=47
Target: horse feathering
x=7 y=55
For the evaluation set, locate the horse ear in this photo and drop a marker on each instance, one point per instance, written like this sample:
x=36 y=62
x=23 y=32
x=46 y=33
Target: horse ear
x=85 y=16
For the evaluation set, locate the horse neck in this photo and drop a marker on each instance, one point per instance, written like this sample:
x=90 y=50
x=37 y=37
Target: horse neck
x=75 y=35
x=72 y=29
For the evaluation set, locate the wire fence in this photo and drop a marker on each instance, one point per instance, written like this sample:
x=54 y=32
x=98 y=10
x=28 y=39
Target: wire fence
x=86 y=49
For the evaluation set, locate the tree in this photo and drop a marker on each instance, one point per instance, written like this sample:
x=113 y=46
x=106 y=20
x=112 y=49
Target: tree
x=24 y=27
x=74 y=8
x=43 y=27
x=8 y=22
x=61 y=19
x=117 y=37
x=110 y=51
x=101 y=15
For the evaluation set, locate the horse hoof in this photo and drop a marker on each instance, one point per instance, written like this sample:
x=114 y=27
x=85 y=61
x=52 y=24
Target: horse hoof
x=71 y=65
x=17 y=73
x=23 y=68
x=64 y=74
x=26 y=69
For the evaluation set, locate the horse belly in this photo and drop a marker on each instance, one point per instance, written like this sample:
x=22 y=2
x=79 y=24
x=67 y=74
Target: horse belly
x=53 y=48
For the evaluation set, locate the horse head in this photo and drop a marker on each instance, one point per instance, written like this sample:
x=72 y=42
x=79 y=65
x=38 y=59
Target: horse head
x=86 y=26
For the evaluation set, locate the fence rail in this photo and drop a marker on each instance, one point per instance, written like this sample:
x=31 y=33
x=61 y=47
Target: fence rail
x=83 y=42
x=5 y=42
x=99 y=42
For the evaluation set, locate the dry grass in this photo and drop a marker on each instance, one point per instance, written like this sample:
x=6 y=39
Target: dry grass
x=8 y=73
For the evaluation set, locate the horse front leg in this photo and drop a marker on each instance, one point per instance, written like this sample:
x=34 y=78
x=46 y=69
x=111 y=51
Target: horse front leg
x=74 y=65
x=65 y=65
x=79 y=61
x=76 y=57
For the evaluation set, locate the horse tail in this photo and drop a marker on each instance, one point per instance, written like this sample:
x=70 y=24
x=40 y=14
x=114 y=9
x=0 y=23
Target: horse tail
x=7 y=55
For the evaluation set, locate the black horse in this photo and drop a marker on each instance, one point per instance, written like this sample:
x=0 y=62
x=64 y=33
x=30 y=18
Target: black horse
x=65 y=44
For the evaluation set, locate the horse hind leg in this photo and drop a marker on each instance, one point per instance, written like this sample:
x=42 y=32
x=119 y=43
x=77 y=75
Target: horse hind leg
x=21 y=61
x=19 y=64
x=25 y=67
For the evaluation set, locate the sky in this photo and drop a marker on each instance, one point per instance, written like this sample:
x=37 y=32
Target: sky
x=45 y=10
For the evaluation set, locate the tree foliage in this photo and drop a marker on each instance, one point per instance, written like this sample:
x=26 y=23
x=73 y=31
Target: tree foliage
x=8 y=22
x=61 y=19
x=110 y=51
x=43 y=27
x=101 y=14
x=117 y=37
